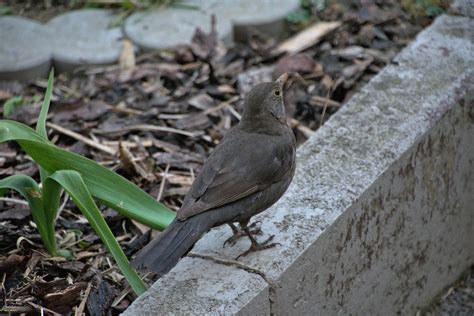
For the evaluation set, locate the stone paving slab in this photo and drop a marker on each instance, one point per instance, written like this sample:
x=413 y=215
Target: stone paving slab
x=379 y=216
x=84 y=37
x=266 y=17
x=236 y=20
x=172 y=26
x=25 y=49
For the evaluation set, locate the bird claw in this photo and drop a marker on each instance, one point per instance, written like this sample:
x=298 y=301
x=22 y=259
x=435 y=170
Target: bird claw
x=255 y=230
x=259 y=246
x=233 y=239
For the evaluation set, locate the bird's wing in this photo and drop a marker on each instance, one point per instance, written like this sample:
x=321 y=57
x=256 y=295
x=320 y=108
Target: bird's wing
x=234 y=170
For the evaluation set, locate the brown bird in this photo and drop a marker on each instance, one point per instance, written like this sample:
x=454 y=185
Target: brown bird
x=245 y=174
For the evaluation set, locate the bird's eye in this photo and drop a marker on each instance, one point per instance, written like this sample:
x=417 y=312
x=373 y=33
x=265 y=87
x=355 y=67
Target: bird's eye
x=276 y=92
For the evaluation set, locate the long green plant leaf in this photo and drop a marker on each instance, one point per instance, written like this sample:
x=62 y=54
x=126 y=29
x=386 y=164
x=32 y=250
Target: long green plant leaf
x=51 y=198
x=74 y=185
x=41 y=124
x=110 y=188
x=30 y=190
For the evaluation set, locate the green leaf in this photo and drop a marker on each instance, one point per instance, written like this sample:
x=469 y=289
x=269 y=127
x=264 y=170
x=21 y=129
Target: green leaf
x=30 y=190
x=65 y=253
x=41 y=124
x=298 y=16
x=72 y=182
x=105 y=185
x=10 y=104
x=51 y=198
x=5 y=10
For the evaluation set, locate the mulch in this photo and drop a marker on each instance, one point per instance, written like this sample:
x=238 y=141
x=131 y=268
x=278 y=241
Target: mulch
x=154 y=119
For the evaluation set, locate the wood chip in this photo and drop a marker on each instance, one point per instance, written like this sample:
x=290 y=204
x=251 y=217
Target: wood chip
x=127 y=56
x=307 y=38
x=80 y=309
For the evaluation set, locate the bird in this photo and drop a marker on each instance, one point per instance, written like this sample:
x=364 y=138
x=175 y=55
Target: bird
x=246 y=173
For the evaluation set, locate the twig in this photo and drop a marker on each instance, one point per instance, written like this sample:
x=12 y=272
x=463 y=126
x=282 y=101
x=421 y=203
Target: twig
x=83 y=139
x=128 y=144
x=307 y=132
x=222 y=105
x=150 y=128
x=121 y=296
x=63 y=205
x=234 y=112
x=126 y=110
x=31 y=264
x=321 y=101
x=324 y=108
x=12 y=200
x=43 y=309
x=172 y=116
x=81 y=307
x=163 y=182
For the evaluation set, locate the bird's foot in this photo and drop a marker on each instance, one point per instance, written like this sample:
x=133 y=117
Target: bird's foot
x=259 y=246
x=254 y=229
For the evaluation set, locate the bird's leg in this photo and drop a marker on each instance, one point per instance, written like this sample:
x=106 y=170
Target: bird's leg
x=255 y=246
x=237 y=233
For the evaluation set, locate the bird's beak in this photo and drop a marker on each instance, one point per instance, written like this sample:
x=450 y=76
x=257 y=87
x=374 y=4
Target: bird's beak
x=282 y=80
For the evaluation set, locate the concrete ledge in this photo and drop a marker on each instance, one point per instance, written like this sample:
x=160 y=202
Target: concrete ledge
x=463 y=7
x=187 y=291
x=379 y=217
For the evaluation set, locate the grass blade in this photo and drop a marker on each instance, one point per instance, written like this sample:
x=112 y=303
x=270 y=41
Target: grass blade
x=72 y=182
x=107 y=186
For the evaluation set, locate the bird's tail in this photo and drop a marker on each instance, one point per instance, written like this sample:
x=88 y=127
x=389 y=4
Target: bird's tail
x=164 y=252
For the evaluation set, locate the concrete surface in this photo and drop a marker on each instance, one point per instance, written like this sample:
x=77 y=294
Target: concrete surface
x=379 y=217
x=25 y=49
x=85 y=38
x=457 y=299
x=246 y=293
x=463 y=7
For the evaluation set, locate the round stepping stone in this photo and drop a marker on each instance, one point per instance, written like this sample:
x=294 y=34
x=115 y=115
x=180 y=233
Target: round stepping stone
x=166 y=28
x=25 y=49
x=85 y=38
x=265 y=16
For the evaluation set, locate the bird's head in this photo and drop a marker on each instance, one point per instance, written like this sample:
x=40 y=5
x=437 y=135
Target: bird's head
x=266 y=100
